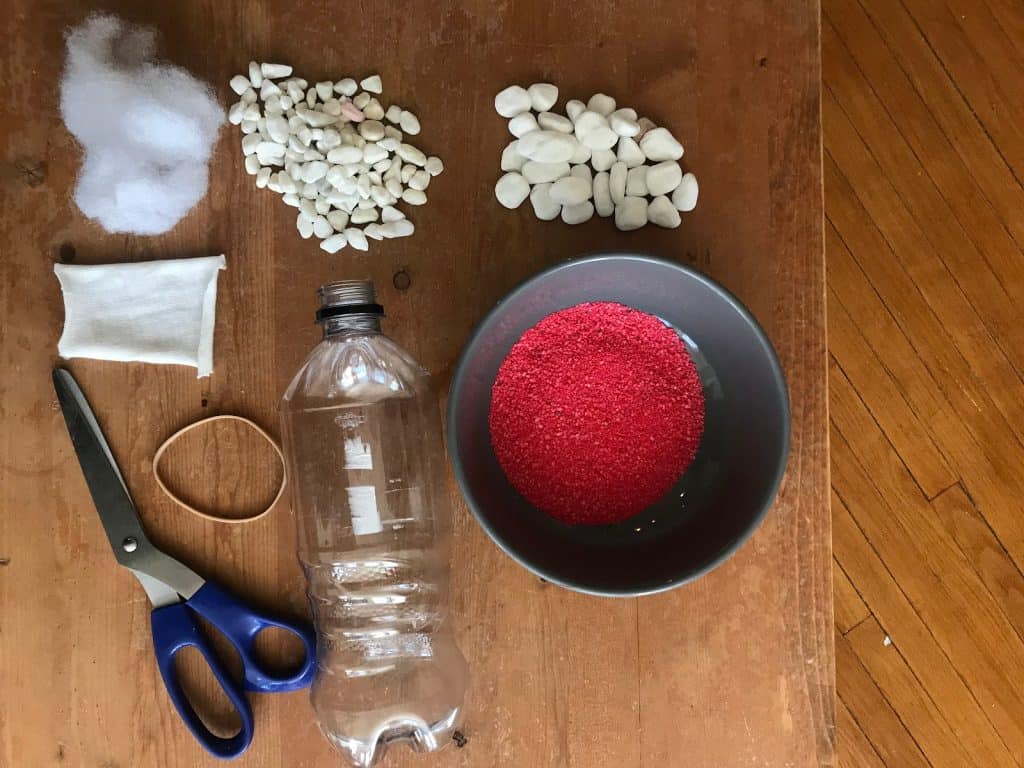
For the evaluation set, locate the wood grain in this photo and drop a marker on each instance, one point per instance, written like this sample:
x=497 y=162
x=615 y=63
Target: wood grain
x=703 y=676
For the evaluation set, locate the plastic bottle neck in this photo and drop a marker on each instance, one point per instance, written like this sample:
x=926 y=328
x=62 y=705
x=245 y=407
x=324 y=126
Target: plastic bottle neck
x=361 y=323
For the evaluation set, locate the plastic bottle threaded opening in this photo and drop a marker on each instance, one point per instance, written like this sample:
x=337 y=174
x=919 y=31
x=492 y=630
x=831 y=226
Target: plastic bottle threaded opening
x=342 y=292
x=348 y=304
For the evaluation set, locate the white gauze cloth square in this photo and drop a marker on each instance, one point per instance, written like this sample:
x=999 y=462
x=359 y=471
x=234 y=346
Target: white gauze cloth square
x=149 y=312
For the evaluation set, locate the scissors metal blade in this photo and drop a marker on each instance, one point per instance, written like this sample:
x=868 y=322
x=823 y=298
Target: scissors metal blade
x=161 y=576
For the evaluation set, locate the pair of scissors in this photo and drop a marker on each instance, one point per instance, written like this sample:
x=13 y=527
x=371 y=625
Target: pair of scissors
x=176 y=591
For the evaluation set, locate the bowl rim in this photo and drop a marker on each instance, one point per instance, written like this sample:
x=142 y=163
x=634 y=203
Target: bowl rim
x=778 y=375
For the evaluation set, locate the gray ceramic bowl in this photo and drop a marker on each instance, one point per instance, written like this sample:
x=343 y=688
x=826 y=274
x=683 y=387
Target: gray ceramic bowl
x=717 y=503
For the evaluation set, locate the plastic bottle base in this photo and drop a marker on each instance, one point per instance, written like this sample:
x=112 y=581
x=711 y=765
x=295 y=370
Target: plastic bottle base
x=406 y=728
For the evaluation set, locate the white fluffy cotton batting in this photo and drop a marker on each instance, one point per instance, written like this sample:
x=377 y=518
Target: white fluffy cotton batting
x=147 y=128
x=150 y=312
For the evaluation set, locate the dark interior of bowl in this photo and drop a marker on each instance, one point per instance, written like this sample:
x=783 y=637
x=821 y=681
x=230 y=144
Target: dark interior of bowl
x=719 y=500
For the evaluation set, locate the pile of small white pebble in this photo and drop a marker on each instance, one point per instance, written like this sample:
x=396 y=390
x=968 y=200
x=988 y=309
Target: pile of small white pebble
x=325 y=149
x=595 y=157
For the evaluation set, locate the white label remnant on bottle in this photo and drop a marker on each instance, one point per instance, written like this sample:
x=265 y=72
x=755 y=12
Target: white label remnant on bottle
x=362 y=503
x=357 y=454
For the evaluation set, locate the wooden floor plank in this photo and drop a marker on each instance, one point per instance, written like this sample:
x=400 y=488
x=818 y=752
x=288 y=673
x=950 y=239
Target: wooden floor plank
x=875 y=717
x=938 y=674
x=881 y=657
x=928 y=175
x=853 y=748
x=882 y=393
x=948 y=105
x=928 y=566
x=979 y=544
x=963 y=327
x=887 y=304
x=992 y=97
x=850 y=608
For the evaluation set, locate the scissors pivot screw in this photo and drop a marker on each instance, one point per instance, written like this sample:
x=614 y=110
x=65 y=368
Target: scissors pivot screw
x=129 y=544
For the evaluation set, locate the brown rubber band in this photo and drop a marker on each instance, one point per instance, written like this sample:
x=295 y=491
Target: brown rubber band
x=206 y=515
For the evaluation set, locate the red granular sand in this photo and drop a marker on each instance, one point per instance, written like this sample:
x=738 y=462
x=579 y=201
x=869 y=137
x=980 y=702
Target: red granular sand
x=596 y=412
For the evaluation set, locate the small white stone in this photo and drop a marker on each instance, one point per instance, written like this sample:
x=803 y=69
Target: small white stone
x=414 y=196
x=346 y=87
x=345 y=155
x=356 y=238
x=252 y=165
x=236 y=112
x=419 y=180
x=629 y=152
x=394 y=187
x=371 y=130
x=542 y=96
x=658 y=145
x=623 y=124
x=544 y=207
x=511 y=189
x=512 y=101
x=631 y=213
x=389 y=213
x=314 y=171
x=255 y=75
x=398 y=228
x=617 y=182
x=522 y=124
x=600 y=138
x=552 y=121
x=325 y=90
x=374 y=111
x=372 y=231
x=602 y=159
x=249 y=97
x=571 y=190
x=636 y=181
x=547 y=146
x=337 y=219
x=685 y=196
x=249 y=126
x=588 y=121
x=305 y=226
x=363 y=216
x=663 y=178
x=277 y=128
x=361 y=100
x=601 y=103
x=574 y=108
x=250 y=142
x=409 y=122
x=334 y=243
x=660 y=211
x=411 y=154
x=393 y=114
x=268 y=89
x=275 y=71
x=602 y=196
x=372 y=84
x=511 y=160
x=374 y=154
x=582 y=172
x=539 y=173
x=262 y=177
x=579 y=213
x=239 y=84
x=407 y=171
x=434 y=166
x=581 y=155
x=390 y=132
x=322 y=228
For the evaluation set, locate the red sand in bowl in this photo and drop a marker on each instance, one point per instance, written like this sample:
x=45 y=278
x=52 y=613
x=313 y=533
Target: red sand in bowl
x=596 y=413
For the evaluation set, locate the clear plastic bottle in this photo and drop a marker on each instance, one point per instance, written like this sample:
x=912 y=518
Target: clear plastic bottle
x=362 y=439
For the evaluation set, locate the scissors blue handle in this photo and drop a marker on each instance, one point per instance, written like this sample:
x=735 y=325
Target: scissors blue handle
x=175 y=628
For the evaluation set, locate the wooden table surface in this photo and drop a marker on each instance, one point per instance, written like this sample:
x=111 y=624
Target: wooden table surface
x=734 y=670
